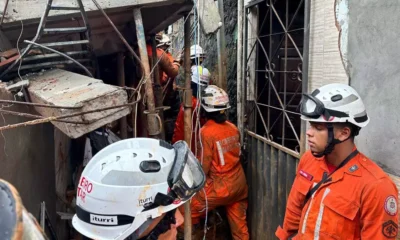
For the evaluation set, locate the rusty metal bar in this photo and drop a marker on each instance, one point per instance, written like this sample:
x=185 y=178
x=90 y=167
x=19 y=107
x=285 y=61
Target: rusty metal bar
x=187 y=119
x=158 y=91
x=152 y=116
x=262 y=120
x=53 y=55
x=269 y=62
x=39 y=104
x=285 y=75
x=59 y=53
x=123 y=123
x=276 y=92
x=274 y=144
x=284 y=28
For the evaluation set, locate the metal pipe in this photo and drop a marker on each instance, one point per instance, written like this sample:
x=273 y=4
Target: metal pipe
x=306 y=52
x=61 y=54
x=152 y=116
x=187 y=119
x=123 y=124
x=239 y=71
x=222 y=81
x=158 y=91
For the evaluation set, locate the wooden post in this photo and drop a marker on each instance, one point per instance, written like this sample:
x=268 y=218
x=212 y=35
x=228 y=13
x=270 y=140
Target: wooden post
x=187 y=119
x=152 y=116
x=123 y=124
x=222 y=81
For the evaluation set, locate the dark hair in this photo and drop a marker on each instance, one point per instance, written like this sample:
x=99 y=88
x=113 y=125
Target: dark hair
x=354 y=130
x=218 y=117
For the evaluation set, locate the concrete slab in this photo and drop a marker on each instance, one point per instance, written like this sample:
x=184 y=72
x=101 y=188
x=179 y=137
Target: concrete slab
x=62 y=88
x=26 y=10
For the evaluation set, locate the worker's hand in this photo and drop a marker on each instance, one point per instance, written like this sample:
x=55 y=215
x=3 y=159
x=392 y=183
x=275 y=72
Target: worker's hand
x=179 y=57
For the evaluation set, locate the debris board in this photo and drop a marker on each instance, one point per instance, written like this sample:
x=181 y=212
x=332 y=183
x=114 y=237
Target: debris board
x=62 y=88
x=209 y=16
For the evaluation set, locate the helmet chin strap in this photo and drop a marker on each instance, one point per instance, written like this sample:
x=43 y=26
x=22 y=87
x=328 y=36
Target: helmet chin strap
x=332 y=141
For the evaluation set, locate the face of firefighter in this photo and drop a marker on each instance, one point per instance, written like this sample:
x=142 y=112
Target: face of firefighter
x=317 y=135
x=170 y=234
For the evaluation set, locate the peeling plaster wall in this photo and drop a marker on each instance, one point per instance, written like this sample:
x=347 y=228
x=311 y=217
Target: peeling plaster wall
x=374 y=55
x=326 y=64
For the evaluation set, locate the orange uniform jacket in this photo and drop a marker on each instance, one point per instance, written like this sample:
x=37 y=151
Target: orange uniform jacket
x=360 y=202
x=225 y=180
x=221 y=160
x=179 y=126
x=167 y=65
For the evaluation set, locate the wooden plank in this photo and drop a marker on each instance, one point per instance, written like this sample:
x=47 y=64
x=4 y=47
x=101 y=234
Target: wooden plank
x=274 y=189
x=260 y=189
x=290 y=173
x=281 y=185
x=255 y=186
x=267 y=194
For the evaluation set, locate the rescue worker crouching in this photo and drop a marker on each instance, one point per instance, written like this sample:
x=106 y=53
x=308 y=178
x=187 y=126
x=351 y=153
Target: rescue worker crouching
x=338 y=192
x=220 y=157
x=200 y=80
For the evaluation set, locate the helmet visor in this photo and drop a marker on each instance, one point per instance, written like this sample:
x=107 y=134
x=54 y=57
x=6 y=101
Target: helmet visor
x=186 y=176
x=311 y=107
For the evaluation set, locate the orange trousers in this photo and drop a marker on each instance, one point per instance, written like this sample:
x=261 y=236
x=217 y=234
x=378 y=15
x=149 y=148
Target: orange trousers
x=235 y=210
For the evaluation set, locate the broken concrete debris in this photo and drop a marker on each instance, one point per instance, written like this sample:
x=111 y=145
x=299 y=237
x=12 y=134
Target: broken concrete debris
x=62 y=88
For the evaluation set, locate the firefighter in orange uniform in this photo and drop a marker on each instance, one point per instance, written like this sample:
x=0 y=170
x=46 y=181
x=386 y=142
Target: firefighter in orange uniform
x=200 y=79
x=169 y=67
x=225 y=179
x=338 y=192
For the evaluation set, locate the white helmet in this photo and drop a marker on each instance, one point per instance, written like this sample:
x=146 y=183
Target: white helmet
x=332 y=103
x=200 y=75
x=196 y=51
x=214 y=99
x=131 y=182
x=163 y=41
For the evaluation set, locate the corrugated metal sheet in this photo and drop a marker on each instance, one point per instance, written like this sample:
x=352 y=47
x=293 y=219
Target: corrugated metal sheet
x=270 y=173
